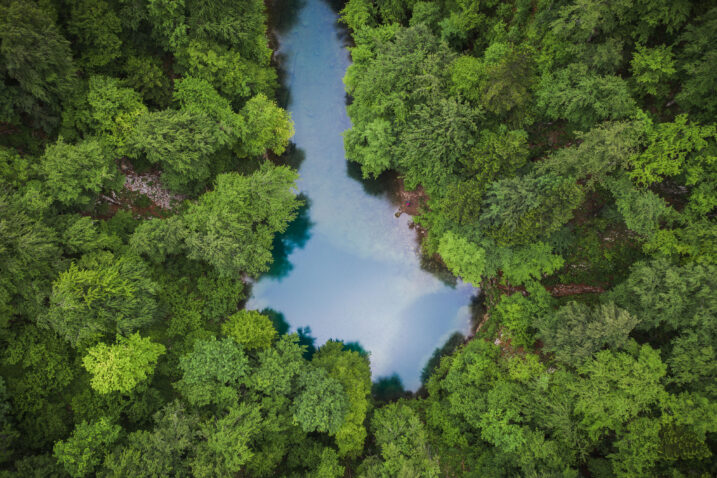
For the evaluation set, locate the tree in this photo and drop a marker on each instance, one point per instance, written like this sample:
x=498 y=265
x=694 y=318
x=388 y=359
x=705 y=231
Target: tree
x=462 y=257
x=122 y=366
x=575 y=332
x=225 y=442
x=114 y=111
x=233 y=226
x=77 y=173
x=95 y=26
x=351 y=369
x=279 y=366
x=181 y=142
x=403 y=442
x=617 y=387
x=697 y=60
x=322 y=404
x=35 y=55
x=212 y=373
x=161 y=451
x=265 y=127
x=584 y=98
x=652 y=68
x=101 y=296
x=437 y=138
x=250 y=329
x=519 y=210
x=669 y=150
x=83 y=452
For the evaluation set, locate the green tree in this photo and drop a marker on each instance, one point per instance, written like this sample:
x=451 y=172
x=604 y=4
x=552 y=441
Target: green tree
x=616 y=388
x=77 y=173
x=120 y=367
x=652 y=68
x=250 y=329
x=519 y=210
x=83 y=452
x=352 y=370
x=96 y=28
x=35 y=64
x=161 y=451
x=463 y=257
x=103 y=295
x=322 y=404
x=225 y=442
x=584 y=98
x=575 y=332
x=181 y=142
x=113 y=111
x=233 y=226
x=212 y=372
x=265 y=127
x=403 y=442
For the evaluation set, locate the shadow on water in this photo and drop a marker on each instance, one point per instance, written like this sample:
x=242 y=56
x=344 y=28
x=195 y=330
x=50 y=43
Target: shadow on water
x=283 y=14
x=293 y=157
x=307 y=341
x=296 y=236
x=453 y=342
x=388 y=389
x=384 y=185
x=435 y=267
x=277 y=320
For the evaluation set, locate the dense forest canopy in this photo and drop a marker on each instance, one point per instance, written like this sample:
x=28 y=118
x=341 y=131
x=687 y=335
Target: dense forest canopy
x=568 y=149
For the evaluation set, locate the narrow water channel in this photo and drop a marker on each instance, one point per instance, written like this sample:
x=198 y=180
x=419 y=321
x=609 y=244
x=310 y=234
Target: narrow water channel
x=348 y=268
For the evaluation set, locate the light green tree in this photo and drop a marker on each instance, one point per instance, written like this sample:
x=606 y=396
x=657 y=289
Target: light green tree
x=120 y=367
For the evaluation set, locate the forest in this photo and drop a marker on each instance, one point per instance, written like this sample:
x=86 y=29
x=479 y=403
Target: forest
x=568 y=154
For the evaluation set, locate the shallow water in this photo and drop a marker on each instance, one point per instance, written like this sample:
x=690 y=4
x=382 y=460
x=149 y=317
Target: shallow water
x=348 y=268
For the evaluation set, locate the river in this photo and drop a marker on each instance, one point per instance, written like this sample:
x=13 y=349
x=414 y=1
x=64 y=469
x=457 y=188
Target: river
x=347 y=267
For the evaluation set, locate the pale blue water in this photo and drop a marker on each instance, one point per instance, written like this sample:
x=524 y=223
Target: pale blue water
x=349 y=269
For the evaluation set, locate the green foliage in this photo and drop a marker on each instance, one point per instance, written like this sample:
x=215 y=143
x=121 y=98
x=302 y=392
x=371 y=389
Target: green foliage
x=617 y=387
x=250 y=329
x=464 y=258
x=95 y=26
x=102 y=295
x=521 y=313
x=322 y=404
x=652 y=68
x=83 y=451
x=76 y=173
x=35 y=65
x=521 y=209
x=122 y=366
x=265 y=127
x=575 y=332
x=583 y=98
x=180 y=142
x=113 y=111
x=669 y=151
x=403 y=442
x=351 y=369
x=233 y=226
x=224 y=445
x=212 y=372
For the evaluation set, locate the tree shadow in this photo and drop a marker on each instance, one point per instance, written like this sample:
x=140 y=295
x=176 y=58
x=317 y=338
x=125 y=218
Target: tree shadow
x=384 y=185
x=307 y=340
x=296 y=236
x=453 y=342
x=388 y=389
x=284 y=14
x=277 y=320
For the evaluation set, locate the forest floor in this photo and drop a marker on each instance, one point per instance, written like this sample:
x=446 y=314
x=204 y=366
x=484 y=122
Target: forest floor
x=411 y=202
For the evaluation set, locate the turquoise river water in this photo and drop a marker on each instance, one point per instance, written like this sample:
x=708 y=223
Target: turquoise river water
x=347 y=267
